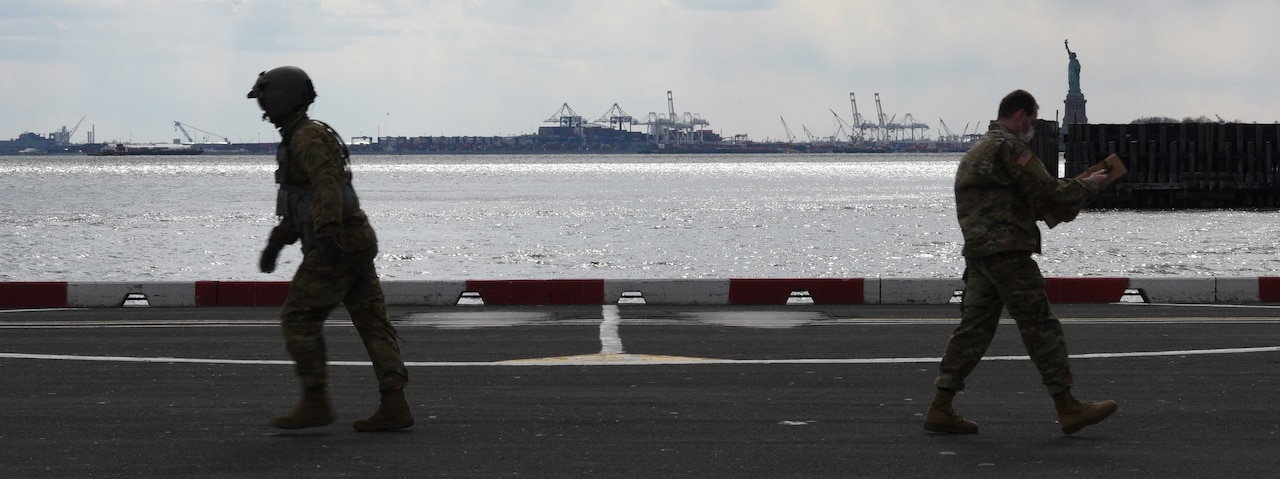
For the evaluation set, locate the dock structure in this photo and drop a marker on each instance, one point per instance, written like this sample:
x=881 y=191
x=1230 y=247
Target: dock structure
x=1182 y=165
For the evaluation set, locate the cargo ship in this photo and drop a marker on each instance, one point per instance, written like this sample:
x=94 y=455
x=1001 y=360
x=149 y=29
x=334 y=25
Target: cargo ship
x=121 y=149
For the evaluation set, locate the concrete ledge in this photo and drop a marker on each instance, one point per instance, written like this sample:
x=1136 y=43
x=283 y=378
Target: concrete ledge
x=669 y=291
x=1173 y=289
x=871 y=290
x=423 y=293
x=919 y=290
x=1235 y=290
x=114 y=294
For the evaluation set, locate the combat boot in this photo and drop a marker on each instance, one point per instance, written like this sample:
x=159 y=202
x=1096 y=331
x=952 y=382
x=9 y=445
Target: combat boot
x=392 y=414
x=314 y=410
x=1074 y=415
x=942 y=418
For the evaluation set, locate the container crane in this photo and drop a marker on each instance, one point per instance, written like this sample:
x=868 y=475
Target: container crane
x=565 y=116
x=686 y=125
x=671 y=108
x=617 y=118
x=677 y=129
x=858 y=121
x=884 y=128
x=672 y=127
x=910 y=124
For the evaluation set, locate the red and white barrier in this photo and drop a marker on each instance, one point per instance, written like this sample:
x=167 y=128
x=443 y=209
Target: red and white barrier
x=662 y=291
x=736 y=291
x=1264 y=289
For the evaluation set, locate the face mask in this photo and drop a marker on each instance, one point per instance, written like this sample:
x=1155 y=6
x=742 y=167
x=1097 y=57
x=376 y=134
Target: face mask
x=1030 y=133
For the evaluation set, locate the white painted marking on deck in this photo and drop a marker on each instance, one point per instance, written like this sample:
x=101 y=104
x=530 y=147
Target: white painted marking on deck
x=610 y=341
x=1206 y=305
x=608 y=359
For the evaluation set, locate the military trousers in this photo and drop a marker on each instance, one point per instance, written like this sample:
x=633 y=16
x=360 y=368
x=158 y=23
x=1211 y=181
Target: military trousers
x=1009 y=280
x=316 y=290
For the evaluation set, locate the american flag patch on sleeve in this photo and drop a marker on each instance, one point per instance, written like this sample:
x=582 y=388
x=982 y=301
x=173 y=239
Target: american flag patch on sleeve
x=1024 y=159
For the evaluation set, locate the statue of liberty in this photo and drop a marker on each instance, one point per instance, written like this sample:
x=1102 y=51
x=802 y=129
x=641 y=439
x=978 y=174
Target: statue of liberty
x=1073 y=73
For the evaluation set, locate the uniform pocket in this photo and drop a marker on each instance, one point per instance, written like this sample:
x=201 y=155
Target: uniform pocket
x=357 y=234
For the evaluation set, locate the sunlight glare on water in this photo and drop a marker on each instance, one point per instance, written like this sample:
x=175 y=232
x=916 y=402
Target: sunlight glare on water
x=575 y=216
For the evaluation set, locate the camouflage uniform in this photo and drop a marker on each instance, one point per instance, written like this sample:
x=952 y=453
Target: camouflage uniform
x=999 y=187
x=316 y=200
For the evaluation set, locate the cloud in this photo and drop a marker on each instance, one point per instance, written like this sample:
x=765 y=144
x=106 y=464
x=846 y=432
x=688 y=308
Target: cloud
x=727 y=4
x=344 y=8
x=482 y=67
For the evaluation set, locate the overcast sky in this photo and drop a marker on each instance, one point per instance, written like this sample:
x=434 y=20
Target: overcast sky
x=502 y=67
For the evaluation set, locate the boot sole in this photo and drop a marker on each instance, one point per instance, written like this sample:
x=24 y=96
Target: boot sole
x=947 y=429
x=359 y=428
x=286 y=425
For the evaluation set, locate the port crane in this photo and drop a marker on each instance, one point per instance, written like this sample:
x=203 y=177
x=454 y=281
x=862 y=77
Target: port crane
x=617 y=118
x=790 y=138
x=910 y=124
x=182 y=127
x=945 y=133
x=74 y=128
x=686 y=124
x=884 y=123
x=63 y=137
x=565 y=116
x=807 y=133
x=670 y=127
x=858 y=121
x=843 y=129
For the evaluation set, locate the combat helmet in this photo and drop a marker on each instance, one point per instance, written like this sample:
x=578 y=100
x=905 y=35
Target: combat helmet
x=282 y=91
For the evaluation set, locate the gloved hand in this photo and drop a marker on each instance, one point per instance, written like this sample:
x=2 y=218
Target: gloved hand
x=267 y=263
x=1099 y=177
x=333 y=252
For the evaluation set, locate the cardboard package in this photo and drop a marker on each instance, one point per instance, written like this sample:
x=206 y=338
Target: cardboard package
x=1112 y=166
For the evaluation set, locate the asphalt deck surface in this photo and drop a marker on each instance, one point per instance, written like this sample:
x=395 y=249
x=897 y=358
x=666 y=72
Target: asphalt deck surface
x=788 y=391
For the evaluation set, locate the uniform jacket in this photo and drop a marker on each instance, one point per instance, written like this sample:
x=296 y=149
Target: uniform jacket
x=316 y=167
x=999 y=186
